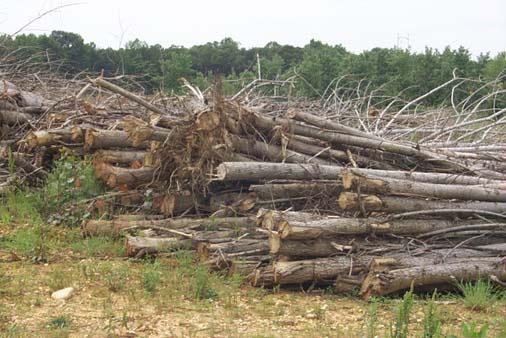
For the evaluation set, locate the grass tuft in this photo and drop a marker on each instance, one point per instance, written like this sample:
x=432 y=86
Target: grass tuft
x=150 y=277
x=400 y=326
x=478 y=295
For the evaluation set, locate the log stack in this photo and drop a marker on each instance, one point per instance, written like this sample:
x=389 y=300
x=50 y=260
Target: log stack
x=290 y=198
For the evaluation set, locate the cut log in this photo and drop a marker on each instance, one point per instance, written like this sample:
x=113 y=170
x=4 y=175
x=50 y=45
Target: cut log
x=139 y=131
x=386 y=282
x=231 y=204
x=393 y=204
x=141 y=246
x=122 y=178
x=333 y=227
x=114 y=227
x=267 y=124
x=236 y=171
x=305 y=249
x=50 y=137
x=270 y=152
x=403 y=187
x=174 y=204
x=124 y=157
x=106 y=139
x=269 y=219
x=236 y=248
x=13 y=117
x=291 y=190
x=326 y=124
x=327 y=270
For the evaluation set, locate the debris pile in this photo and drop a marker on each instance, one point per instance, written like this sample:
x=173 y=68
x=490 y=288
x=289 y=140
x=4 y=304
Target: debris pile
x=286 y=197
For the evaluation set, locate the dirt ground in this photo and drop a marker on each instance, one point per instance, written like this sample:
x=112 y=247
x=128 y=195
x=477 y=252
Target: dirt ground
x=116 y=297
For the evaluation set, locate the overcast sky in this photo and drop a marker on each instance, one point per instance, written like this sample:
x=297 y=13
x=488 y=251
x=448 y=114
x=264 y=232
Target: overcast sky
x=479 y=25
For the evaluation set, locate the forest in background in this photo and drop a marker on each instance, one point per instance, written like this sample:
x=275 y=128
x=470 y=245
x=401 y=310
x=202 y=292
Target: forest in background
x=316 y=67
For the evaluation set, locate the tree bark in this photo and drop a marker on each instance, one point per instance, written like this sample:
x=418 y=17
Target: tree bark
x=106 y=139
x=398 y=204
x=332 y=227
x=50 y=137
x=140 y=246
x=382 y=283
x=403 y=187
x=291 y=190
x=124 y=157
x=264 y=151
x=122 y=178
x=286 y=171
x=267 y=124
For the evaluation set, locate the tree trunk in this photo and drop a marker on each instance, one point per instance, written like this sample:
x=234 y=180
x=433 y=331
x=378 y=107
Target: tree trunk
x=264 y=151
x=234 y=248
x=267 y=124
x=398 y=204
x=269 y=219
x=333 y=227
x=382 y=283
x=264 y=171
x=174 y=204
x=122 y=157
x=140 y=246
x=290 y=190
x=402 y=187
x=51 y=137
x=122 y=178
x=106 y=139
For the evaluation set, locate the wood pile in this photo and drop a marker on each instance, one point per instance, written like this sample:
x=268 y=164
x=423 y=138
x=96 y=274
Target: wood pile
x=291 y=198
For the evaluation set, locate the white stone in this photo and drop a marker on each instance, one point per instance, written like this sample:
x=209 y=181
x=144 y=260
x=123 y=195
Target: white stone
x=63 y=293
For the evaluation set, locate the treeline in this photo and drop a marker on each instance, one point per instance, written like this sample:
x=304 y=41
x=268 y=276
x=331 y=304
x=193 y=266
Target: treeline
x=316 y=65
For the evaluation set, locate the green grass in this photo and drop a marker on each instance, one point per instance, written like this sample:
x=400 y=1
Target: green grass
x=150 y=277
x=431 y=321
x=399 y=328
x=60 y=200
x=115 y=276
x=371 y=320
x=478 y=295
x=59 y=322
x=98 y=246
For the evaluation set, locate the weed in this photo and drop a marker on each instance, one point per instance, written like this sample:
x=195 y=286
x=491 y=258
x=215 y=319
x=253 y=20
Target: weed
x=431 y=321
x=200 y=284
x=478 y=295
x=58 y=279
x=115 y=276
x=372 y=318
x=150 y=277
x=399 y=328
x=471 y=330
x=98 y=246
x=70 y=182
x=60 y=322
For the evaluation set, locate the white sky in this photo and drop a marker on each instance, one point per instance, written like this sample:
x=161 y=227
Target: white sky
x=479 y=25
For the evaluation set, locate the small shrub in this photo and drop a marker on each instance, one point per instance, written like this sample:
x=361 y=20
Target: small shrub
x=150 y=277
x=372 y=318
x=478 y=295
x=114 y=276
x=471 y=330
x=60 y=322
x=70 y=182
x=58 y=279
x=399 y=328
x=99 y=246
x=431 y=321
x=200 y=284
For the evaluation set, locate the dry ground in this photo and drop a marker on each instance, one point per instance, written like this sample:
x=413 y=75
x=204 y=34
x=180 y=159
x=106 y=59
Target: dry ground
x=116 y=297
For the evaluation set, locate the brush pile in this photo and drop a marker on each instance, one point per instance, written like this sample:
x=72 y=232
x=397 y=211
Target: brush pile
x=284 y=196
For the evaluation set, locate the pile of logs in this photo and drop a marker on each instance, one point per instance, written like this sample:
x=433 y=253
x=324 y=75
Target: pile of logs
x=292 y=198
